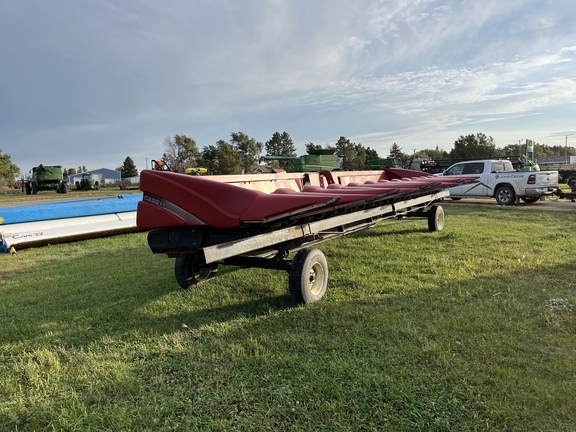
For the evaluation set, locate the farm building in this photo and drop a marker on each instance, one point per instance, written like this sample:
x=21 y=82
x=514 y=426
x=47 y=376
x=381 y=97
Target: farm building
x=101 y=175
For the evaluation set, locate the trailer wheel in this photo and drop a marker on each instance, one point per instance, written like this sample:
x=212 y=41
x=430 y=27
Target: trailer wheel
x=436 y=218
x=189 y=272
x=308 y=276
x=505 y=195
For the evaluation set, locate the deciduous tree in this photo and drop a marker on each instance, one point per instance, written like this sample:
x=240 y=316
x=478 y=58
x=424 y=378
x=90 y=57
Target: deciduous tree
x=248 y=150
x=472 y=146
x=8 y=170
x=180 y=152
x=220 y=159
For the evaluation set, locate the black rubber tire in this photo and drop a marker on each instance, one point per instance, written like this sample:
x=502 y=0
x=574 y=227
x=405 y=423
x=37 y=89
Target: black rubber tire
x=77 y=185
x=96 y=185
x=34 y=188
x=436 y=218
x=64 y=188
x=505 y=195
x=308 y=276
x=28 y=188
x=189 y=272
x=530 y=200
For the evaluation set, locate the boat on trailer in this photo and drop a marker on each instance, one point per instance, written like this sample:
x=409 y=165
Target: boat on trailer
x=260 y=220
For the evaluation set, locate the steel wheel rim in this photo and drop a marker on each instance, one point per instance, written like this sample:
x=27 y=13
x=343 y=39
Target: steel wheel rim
x=316 y=278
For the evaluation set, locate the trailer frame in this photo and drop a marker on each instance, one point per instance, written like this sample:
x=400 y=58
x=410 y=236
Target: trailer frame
x=200 y=250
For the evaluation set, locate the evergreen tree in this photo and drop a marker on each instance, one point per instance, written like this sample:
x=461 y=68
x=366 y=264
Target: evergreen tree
x=371 y=154
x=398 y=156
x=354 y=156
x=128 y=168
x=311 y=147
x=280 y=145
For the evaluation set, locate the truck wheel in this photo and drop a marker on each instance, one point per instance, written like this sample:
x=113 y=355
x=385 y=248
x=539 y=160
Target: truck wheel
x=189 y=272
x=505 y=195
x=77 y=185
x=436 y=218
x=28 y=188
x=308 y=276
x=34 y=188
x=96 y=185
x=64 y=188
x=530 y=200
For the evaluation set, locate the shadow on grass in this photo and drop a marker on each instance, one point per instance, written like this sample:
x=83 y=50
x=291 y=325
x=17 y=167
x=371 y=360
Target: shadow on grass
x=80 y=301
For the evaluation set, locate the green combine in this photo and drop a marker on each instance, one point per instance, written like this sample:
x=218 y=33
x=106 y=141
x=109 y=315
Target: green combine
x=45 y=178
x=314 y=161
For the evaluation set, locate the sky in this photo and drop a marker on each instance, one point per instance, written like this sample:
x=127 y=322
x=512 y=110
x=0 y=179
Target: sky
x=91 y=82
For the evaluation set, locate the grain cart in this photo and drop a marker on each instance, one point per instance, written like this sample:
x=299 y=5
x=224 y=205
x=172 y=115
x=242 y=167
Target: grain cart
x=87 y=182
x=45 y=178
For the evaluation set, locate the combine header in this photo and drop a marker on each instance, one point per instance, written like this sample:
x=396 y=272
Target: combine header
x=259 y=220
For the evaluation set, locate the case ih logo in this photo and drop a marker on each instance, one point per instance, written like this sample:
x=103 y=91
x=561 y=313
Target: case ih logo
x=154 y=200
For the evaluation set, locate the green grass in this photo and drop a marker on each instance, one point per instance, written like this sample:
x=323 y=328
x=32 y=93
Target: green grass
x=471 y=328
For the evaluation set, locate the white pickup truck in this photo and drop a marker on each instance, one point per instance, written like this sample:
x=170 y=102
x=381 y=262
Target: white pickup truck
x=498 y=179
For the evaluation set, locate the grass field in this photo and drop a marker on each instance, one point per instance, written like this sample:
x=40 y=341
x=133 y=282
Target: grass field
x=471 y=328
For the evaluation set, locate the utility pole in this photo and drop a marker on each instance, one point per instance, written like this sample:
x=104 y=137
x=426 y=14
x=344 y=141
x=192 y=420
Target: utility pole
x=566 y=148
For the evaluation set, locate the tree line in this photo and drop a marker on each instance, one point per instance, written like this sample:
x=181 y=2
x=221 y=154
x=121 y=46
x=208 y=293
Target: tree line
x=241 y=154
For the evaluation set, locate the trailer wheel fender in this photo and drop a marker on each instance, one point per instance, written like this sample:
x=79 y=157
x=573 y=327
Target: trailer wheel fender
x=308 y=276
x=436 y=218
x=189 y=272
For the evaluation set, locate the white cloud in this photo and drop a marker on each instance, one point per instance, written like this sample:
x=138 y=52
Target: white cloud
x=118 y=77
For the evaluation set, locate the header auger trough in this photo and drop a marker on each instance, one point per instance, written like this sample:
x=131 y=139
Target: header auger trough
x=259 y=220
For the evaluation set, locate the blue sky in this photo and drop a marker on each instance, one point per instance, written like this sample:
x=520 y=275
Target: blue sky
x=91 y=82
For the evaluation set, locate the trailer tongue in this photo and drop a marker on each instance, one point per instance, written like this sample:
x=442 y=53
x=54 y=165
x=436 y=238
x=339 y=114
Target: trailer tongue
x=259 y=220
